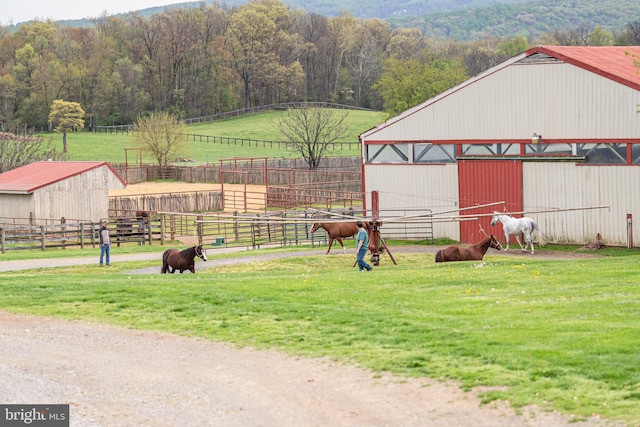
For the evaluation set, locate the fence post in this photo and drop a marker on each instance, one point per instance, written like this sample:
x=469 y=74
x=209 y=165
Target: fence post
x=93 y=234
x=147 y=229
x=63 y=229
x=2 y=237
x=42 y=237
x=81 y=236
x=162 y=228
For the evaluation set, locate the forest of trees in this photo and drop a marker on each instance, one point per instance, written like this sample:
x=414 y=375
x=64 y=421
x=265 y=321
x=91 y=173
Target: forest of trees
x=210 y=59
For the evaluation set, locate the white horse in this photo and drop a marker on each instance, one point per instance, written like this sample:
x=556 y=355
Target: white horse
x=516 y=226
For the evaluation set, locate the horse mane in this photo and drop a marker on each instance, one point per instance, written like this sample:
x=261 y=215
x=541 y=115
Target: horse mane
x=192 y=249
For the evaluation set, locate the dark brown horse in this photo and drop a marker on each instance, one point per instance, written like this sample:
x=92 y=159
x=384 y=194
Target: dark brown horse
x=142 y=214
x=338 y=230
x=173 y=259
x=472 y=253
x=142 y=218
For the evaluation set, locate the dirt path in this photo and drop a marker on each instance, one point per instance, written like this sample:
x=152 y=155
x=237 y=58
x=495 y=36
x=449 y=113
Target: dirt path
x=120 y=377
x=114 y=376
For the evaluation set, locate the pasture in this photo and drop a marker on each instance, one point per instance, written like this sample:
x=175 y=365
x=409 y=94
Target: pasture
x=559 y=333
x=87 y=146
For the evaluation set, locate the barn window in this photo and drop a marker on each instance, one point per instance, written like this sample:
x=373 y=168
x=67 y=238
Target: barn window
x=388 y=153
x=430 y=153
x=635 y=154
x=550 y=149
x=604 y=153
x=490 y=149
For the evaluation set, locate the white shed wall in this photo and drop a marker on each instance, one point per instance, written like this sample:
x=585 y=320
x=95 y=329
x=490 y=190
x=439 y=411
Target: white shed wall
x=567 y=186
x=555 y=100
x=83 y=197
x=404 y=188
x=12 y=203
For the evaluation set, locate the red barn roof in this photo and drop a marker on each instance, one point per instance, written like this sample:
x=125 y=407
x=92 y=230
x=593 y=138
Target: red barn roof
x=27 y=179
x=613 y=62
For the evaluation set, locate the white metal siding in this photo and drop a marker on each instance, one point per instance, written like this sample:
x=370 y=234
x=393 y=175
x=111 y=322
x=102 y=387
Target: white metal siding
x=409 y=187
x=555 y=100
x=566 y=186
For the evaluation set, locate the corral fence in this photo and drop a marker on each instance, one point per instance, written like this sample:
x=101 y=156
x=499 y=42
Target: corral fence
x=232 y=199
x=79 y=234
x=181 y=201
x=257 y=171
x=284 y=185
x=285 y=228
x=212 y=230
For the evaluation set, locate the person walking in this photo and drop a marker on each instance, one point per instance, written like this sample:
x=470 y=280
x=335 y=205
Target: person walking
x=362 y=245
x=105 y=243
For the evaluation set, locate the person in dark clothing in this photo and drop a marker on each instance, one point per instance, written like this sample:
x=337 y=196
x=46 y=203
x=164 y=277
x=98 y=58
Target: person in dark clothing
x=105 y=243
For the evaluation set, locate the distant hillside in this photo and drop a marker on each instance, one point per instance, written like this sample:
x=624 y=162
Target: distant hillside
x=460 y=19
x=530 y=18
x=385 y=9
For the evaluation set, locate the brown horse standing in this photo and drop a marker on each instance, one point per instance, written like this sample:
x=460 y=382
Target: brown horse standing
x=338 y=230
x=173 y=259
x=472 y=253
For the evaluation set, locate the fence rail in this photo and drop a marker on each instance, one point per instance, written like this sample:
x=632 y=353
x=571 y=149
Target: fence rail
x=211 y=230
x=279 y=228
x=241 y=112
x=83 y=234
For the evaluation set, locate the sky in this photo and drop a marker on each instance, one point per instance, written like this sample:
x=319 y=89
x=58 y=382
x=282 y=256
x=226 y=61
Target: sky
x=16 y=11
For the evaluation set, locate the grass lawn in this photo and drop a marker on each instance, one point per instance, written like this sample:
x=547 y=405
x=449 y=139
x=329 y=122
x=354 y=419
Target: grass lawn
x=562 y=334
x=86 y=146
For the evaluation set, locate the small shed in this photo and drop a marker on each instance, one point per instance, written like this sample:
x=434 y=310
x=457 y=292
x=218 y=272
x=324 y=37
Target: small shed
x=47 y=191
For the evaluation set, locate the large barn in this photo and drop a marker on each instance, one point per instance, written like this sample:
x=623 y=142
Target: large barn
x=43 y=192
x=552 y=133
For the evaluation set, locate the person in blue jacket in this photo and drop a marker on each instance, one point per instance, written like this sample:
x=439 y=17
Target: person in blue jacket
x=362 y=245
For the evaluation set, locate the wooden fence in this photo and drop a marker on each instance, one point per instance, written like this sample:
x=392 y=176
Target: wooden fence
x=79 y=235
x=239 y=113
x=248 y=171
x=278 y=228
x=212 y=230
x=183 y=201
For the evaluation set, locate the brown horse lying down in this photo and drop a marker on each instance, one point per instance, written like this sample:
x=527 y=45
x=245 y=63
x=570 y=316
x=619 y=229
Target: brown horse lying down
x=338 y=230
x=472 y=253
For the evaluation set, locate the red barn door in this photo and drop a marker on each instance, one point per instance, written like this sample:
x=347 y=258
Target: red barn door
x=488 y=181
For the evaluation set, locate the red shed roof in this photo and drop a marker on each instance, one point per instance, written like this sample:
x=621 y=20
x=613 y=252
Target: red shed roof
x=613 y=62
x=27 y=179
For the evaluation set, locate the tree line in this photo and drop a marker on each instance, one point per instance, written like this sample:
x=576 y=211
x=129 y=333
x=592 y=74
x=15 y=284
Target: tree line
x=206 y=59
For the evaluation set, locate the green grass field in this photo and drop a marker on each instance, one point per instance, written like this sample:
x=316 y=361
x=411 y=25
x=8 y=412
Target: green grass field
x=562 y=334
x=86 y=146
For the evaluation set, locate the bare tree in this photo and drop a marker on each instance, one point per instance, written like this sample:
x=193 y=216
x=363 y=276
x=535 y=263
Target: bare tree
x=312 y=131
x=16 y=151
x=162 y=135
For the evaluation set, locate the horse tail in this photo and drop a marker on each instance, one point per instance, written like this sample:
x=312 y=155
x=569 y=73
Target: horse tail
x=440 y=256
x=165 y=264
x=535 y=227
